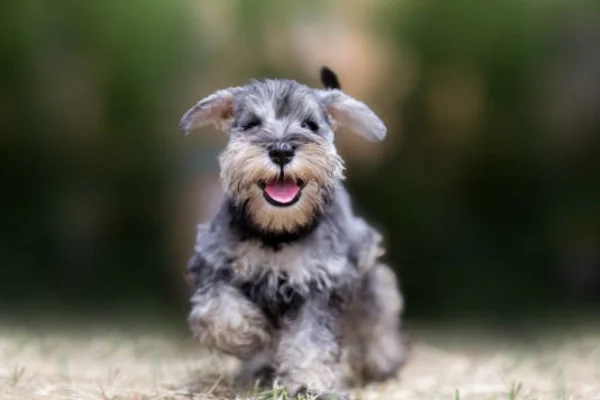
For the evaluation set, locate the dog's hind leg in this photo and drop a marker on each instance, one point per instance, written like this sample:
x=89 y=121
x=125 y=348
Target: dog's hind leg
x=376 y=344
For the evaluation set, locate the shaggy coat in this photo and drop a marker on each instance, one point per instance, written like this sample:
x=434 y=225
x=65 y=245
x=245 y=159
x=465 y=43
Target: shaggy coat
x=283 y=284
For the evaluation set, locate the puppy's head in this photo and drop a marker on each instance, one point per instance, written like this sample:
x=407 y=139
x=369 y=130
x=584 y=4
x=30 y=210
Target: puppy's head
x=280 y=165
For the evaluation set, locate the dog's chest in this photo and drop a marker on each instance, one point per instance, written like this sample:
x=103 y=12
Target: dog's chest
x=252 y=259
x=299 y=264
x=279 y=282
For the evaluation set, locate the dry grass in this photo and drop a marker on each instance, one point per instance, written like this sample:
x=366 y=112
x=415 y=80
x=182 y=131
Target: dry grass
x=127 y=366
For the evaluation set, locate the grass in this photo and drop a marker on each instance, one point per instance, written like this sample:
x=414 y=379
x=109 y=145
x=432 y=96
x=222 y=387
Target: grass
x=118 y=366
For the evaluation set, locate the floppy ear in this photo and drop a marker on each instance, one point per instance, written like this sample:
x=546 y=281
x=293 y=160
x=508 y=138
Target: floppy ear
x=353 y=114
x=216 y=109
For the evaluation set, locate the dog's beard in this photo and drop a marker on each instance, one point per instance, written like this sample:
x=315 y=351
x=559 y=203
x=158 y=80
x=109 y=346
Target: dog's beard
x=246 y=169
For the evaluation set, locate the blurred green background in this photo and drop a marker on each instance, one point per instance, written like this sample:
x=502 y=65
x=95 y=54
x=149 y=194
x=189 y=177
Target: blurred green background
x=488 y=186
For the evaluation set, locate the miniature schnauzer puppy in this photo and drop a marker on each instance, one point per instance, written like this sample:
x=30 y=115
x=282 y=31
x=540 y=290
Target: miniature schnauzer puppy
x=286 y=272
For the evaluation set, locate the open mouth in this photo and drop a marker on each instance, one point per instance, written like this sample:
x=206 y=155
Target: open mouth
x=282 y=192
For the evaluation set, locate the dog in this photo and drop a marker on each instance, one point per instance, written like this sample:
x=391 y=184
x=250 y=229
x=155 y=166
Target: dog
x=286 y=276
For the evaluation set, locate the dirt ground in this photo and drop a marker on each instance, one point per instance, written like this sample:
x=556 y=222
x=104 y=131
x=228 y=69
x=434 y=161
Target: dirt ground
x=443 y=365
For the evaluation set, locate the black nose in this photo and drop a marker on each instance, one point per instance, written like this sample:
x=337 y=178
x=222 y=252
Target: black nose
x=281 y=153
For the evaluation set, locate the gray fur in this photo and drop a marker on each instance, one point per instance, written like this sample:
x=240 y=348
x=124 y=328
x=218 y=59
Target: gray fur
x=281 y=287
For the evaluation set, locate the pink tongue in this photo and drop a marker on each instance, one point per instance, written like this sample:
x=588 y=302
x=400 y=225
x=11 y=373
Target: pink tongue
x=282 y=192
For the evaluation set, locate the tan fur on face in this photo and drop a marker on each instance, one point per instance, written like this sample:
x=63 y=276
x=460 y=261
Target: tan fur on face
x=244 y=165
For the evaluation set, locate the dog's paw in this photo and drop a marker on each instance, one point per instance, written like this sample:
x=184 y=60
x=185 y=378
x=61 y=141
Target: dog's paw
x=324 y=395
x=228 y=322
x=330 y=395
x=383 y=360
x=302 y=391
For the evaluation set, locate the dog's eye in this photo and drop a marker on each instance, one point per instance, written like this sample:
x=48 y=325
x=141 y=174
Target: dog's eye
x=310 y=124
x=251 y=123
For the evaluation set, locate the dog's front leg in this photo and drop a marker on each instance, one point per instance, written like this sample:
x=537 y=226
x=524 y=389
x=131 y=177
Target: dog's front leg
x=221 y=317
x=308 y=353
